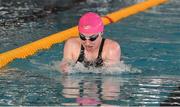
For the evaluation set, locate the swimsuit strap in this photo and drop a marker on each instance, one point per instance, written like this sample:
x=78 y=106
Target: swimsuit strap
x=101 y=48
x=99 y=60
x=81 y=55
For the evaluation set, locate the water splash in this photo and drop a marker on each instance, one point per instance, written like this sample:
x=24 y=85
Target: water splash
x=119 y=68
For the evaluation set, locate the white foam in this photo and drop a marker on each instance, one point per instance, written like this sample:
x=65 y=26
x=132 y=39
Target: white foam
x=119 y=68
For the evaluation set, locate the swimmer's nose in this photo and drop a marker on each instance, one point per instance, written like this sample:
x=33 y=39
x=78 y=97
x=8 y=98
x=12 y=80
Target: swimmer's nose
x=87 y=42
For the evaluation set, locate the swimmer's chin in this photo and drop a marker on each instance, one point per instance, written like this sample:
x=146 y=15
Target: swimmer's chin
x=89 y=48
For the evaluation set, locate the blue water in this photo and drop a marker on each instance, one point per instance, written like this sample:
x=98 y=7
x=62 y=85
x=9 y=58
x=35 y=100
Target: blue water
x=149 y=41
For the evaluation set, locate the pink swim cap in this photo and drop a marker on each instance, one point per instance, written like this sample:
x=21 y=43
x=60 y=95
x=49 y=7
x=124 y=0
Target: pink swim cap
x=90 y=23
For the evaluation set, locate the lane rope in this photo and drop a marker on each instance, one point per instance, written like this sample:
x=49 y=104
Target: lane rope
x=47 y=42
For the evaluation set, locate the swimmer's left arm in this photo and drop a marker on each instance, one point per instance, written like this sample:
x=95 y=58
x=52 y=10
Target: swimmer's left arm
x=113 y=54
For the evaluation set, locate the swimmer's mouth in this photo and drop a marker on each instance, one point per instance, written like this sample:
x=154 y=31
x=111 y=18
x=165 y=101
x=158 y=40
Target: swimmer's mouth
x=89 y=46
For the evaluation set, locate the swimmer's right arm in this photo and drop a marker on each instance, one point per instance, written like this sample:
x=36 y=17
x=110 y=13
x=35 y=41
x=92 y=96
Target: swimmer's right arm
x=65 y=66
x=67 y=56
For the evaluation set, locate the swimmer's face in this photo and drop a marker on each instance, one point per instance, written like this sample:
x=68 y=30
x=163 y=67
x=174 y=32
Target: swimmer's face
x=90 y=42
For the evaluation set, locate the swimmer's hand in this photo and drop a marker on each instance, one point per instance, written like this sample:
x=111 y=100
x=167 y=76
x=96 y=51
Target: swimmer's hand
x=64 y=67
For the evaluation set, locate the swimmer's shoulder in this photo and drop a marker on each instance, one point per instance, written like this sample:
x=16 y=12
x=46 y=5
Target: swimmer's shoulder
x=111 y=44
x=73 y=43
x=111 y=48
x=74 y=47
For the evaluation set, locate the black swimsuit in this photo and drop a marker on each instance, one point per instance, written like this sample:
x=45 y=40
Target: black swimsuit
x=97 y=63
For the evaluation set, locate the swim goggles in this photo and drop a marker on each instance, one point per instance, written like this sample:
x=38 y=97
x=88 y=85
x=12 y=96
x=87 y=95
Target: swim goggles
x=91 y=38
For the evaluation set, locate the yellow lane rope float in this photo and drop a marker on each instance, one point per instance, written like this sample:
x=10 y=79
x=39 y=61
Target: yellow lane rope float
x=47 y=42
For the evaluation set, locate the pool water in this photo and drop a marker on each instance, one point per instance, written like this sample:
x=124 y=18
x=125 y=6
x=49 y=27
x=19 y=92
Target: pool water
x=149 y=41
